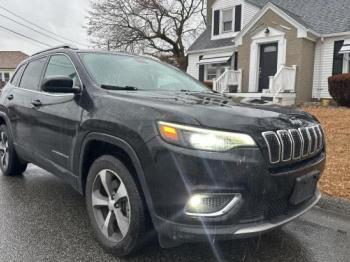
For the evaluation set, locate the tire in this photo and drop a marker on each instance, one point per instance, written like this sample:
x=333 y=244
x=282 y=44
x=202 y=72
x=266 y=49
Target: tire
x=126 y=212
x=10 y=164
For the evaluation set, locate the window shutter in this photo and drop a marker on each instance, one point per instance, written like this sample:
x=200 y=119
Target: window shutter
x=238 y=18
x=201 y=73
x=216 y=22
x=338 y=59
x=235 y=65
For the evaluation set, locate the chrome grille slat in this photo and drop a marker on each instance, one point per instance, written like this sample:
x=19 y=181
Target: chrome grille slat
x=306 y=137
x=319 y=134
x=267 y=137
x=293 y=144
x=298 y=142
x=286 y=144
x=313 y=140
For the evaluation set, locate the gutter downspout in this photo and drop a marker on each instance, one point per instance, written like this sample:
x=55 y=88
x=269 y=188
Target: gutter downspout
x=319 y=89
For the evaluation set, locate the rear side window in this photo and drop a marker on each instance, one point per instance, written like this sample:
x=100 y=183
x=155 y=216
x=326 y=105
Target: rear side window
x=17 y=77
x=32 y=74
x=60 y=65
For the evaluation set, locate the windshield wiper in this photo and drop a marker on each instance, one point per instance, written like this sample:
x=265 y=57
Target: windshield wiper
x=111 y=87
x=199 y=92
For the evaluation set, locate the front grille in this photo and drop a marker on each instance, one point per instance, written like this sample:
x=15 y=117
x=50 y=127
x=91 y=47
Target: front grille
x=293 y=144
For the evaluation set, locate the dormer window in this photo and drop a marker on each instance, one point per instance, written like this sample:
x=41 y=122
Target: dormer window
x=227 y=19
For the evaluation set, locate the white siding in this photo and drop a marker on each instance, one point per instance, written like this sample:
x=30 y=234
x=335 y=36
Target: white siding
x=222 y=4
x=249 y=11
x=192 y=68
x=323 y=66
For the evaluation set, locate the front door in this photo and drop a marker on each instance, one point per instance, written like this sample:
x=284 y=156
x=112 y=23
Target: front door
x=268 y=64
x=57 y=118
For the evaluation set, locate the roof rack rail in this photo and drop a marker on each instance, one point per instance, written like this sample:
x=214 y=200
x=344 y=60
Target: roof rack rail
x=55 y=47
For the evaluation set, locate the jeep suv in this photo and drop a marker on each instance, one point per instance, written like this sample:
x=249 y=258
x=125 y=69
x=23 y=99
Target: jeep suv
x=151 y=148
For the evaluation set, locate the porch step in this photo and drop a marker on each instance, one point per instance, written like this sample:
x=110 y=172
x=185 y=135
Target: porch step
x=267 y=98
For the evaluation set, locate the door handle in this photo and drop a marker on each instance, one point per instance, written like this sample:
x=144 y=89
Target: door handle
x=36 y=102
x=10 y=97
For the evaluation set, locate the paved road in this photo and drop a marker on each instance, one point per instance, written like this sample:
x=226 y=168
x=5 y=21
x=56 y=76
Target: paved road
x=43 y=219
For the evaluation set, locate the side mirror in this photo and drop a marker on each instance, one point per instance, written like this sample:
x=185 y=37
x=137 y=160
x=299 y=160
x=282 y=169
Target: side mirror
x=59 y=84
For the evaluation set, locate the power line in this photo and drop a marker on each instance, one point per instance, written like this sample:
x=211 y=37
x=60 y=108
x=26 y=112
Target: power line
x=42 y=28
x=22 y=35
x=33 y=29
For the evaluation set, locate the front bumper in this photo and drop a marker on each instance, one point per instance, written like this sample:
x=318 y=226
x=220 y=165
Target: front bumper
x=173 y=174
x=183 y=233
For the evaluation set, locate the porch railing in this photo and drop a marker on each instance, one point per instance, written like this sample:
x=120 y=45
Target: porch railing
x=229 y=81
x=283 y=81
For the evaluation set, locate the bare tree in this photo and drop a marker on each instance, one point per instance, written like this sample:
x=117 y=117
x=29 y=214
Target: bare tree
x=162 y=28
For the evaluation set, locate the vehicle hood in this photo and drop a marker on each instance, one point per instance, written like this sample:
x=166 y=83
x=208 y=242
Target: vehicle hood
x=219 y=111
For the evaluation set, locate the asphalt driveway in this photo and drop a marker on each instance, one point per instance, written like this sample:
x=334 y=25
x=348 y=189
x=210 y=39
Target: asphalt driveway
x=44 y=219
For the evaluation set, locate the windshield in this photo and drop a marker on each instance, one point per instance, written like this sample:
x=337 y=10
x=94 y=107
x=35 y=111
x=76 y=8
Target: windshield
x=119 y=72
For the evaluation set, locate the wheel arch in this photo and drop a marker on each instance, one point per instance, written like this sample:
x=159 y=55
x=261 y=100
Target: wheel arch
x=5 y=120
x=125 y=148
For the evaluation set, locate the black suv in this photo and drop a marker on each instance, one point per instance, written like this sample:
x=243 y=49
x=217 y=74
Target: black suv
x=152 y=148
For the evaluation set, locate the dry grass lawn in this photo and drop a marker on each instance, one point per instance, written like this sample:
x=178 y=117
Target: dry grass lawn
x=336 y=123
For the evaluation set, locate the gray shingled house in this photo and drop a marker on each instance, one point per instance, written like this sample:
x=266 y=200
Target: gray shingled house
x=279 y=50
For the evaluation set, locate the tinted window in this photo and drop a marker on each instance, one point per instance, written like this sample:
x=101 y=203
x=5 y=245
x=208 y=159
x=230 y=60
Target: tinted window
x=17 y=77
x=60 y=65
x=32 y=74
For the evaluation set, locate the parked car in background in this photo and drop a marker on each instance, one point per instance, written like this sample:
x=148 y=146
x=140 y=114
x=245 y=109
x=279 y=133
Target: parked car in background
x=150 y=147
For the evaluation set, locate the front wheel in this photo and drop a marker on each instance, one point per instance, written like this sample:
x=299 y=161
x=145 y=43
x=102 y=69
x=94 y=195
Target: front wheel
x=115 y=207
x=10 y=164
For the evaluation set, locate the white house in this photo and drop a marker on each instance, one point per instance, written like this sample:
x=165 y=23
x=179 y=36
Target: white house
x=277 y=50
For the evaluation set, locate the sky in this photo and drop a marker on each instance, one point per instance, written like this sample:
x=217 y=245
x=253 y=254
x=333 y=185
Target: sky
x=65 y=18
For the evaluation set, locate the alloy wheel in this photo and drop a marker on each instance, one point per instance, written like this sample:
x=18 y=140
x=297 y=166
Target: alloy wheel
x=111 y=205
x=4 y=150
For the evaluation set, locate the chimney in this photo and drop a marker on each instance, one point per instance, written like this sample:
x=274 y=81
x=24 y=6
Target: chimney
x=209 y=11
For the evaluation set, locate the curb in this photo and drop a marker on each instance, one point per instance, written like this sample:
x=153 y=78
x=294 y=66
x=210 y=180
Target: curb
x=337 y=205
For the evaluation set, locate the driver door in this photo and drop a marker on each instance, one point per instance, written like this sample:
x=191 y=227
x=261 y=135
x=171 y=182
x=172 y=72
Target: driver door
x=57 y=118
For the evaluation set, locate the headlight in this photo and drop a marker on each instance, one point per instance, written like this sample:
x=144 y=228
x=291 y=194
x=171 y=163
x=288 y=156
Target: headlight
x=203 y=139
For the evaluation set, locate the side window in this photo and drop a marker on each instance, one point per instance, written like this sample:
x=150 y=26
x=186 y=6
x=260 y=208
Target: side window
x=17 y=77
x=60 y=65
x=32 y=74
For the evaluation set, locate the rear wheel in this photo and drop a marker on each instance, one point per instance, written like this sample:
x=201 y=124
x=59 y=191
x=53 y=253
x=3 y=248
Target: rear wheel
x=10 y=164
x=115 y=206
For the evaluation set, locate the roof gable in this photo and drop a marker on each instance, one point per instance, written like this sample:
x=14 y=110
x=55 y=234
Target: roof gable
x=302 y=29
x=11 y=59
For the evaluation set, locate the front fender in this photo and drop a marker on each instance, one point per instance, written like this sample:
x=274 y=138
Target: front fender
x=122 y=144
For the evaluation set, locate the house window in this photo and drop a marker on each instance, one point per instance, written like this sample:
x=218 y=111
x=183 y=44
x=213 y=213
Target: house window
x=0 y=77
x=211 y=72
x=7 y=77
x=214 y=71
x=227 y=18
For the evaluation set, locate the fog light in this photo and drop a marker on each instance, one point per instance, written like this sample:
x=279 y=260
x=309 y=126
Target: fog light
x=211 y=205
